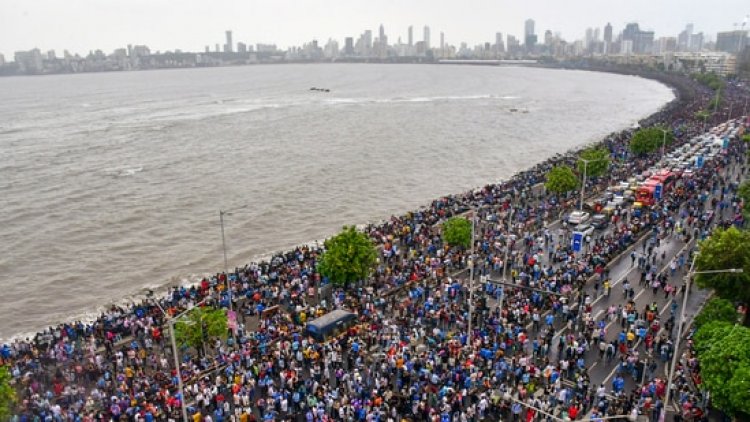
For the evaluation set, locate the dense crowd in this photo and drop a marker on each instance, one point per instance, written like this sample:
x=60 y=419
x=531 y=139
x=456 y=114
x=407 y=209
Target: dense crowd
x=412 y=354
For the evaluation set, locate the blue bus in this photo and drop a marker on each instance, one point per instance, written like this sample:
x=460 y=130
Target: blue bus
x=330 y=324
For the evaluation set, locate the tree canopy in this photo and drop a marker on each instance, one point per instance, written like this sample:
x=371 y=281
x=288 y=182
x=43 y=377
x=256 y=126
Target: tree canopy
x=598 y=162
x=726 y=249
x=710 y=79
x=717 y=309
x=702 y=114
x=7 y=394
x=199 y=326
x=723 y=350
x=457 y=232
x=561 y=179
x=744 y=193
x=650 y=139
x=350 y=256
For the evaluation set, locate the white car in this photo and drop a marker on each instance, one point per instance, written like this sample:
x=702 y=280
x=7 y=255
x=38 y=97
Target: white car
x=578 y=217
x=584 y=228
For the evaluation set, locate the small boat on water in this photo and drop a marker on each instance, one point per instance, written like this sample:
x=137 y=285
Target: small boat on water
x=320 y=89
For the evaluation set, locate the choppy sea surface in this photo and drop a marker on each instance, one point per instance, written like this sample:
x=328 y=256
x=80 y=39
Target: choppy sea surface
x=111 y=183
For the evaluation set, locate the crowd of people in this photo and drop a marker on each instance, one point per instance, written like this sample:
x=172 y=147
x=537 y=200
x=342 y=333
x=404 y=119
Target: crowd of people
x=426 y=346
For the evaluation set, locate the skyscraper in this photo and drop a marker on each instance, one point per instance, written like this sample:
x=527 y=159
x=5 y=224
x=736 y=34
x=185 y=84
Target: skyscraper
x=499 y=44
x=528 y=27
x=411 y=35
x=228 y=45
x=529 y=36
x=427 y=37
x=608 y=33
x=442 y=44
x=382 y=37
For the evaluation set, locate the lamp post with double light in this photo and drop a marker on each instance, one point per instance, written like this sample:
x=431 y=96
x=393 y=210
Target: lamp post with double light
x=170 y=323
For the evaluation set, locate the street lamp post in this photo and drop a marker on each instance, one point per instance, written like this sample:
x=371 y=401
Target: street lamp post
x=583 y=181
x=688 y=279
x=663 y=143
x=222 y=213
x=170 y=323
x=471 y=274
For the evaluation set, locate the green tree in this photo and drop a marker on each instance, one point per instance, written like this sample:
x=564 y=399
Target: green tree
x=744 y=193
x=724 y=353
x=717 y=309
x=702 y=115
x=561 y=179
x=726 y=249
x=746 y=138
x=650 y=139
x=7 y=394
x=199 y=326
x=598 y=162
x=350 y=256
x=457 y=232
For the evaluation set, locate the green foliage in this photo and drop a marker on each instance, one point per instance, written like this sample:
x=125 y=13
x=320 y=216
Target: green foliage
x=746 y=138
x=744 y=193
x=717 y=309
x=350 y=256
x=457 y=232
x=726 y=249
x=598 y=162
x=710 y=79
x=650 y=139
x=7 y=394
x=561 y=179
x=199 y=326
x=724 y=353
x=702 y=115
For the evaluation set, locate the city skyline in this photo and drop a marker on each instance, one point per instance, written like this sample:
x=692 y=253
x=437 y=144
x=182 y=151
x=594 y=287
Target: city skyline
x=192 y=26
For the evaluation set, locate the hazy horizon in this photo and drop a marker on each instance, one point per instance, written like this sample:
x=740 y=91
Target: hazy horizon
x=191 y=25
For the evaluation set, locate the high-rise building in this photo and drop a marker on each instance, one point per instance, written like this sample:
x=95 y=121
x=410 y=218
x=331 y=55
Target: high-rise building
x=642 y=41
x=608 y=33
x=2 y=60
x=442 y=44
x=411 y=35
x=382 y=37
x=426 y=37
x=528 y=27
x=683 y=39
x=241 y=47
x=731 y=41
x=368 y=42
x=349 y=46
x=499 y=44
x=696 y=42
x=228 y=46
x=208 y=50
x=529 y=36
x=218 y=50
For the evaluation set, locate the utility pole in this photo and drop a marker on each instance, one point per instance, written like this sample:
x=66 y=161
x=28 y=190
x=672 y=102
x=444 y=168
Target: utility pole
x=471 y=274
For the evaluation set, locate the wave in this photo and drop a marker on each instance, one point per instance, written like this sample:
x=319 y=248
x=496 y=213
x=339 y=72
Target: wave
x=122 y=171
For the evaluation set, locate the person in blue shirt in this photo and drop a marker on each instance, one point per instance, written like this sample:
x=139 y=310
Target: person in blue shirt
x=618 y=384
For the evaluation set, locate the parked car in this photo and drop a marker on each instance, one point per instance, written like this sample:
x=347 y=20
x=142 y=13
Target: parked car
x=578 y=217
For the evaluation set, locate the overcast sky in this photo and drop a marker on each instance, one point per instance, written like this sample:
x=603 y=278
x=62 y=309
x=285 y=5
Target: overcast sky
x=189 y=25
